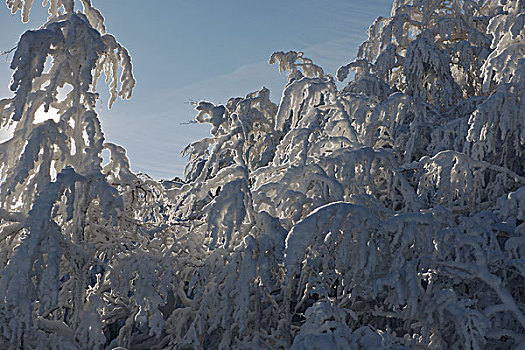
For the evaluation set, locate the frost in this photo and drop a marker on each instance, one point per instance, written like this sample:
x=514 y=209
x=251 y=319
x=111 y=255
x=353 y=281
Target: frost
x=385 y=214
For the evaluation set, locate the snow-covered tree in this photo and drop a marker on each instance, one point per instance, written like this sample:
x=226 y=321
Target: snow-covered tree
x=396 y=235
x=68 y=229
x=389 y=213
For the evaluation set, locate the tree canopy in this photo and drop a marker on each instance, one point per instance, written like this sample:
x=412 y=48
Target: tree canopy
x=389 y=213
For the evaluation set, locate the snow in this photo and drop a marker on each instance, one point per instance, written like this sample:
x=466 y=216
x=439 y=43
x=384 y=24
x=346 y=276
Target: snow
x=388 y=213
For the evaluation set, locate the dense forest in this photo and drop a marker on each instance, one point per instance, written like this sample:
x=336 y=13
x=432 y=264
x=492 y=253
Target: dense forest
x=388 y=213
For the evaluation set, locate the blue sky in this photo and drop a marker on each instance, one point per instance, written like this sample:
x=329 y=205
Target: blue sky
x=186 y=50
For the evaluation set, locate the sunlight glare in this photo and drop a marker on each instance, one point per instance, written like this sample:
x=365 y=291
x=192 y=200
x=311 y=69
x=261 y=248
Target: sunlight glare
x=6 y=133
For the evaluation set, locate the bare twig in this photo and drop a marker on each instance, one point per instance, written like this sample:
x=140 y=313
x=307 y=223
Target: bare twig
x=191 y=121
x=6 y=53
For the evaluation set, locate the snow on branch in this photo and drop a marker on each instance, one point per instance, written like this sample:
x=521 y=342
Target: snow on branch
x=389 y=213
